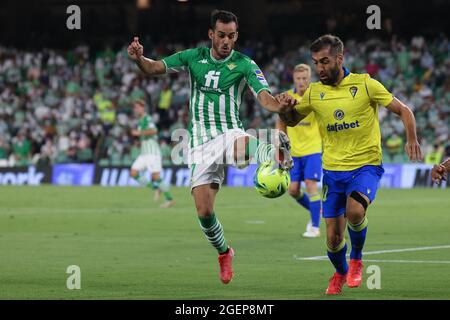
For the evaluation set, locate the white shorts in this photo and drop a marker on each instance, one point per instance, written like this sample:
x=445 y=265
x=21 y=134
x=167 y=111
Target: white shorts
x=208 y=161
x=148 y=162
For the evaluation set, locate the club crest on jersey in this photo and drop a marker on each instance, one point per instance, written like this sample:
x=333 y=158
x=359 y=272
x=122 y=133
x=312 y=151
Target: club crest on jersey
x=339 y=114
x=260 y=76
x=231 y=66
x=322 y=94
x=353 y=90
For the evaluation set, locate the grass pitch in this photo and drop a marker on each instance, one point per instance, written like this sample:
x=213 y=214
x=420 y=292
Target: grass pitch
x=129 y=248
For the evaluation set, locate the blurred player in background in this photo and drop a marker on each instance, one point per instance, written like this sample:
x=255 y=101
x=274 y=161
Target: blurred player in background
x=219 y=78
x=150 y=156
x=306 y=151
x=440 y=171
x=346 y=107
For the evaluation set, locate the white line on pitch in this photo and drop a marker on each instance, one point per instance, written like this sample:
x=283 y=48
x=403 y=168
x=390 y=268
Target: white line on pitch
x=378 y=252
x=410 y=261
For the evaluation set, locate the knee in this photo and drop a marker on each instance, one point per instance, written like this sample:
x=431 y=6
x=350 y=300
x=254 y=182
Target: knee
x=356 y=217
x=334 y=241
x=294 y=193
x=311 y=186
x=355 y=214
x=133 y=173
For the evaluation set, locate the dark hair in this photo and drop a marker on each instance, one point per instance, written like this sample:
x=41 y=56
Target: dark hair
x=223 y=16
x=336 y=45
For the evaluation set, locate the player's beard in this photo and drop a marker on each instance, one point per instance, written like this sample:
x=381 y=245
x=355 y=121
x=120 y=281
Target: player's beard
x=221 y=54
x=332 y=77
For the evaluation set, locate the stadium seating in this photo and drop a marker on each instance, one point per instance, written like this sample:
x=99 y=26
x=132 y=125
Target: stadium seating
x=75 y=106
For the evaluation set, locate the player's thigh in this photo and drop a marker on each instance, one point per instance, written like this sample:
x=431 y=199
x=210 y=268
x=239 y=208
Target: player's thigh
x=154 y=163
x=206 y=162
x=139 y=164
x=364 y=188
x=236 y=142
x=355 y=210
x=335 y=230
x=296 y=171
x=312 y=167
x=239 y=148
x=333 y=197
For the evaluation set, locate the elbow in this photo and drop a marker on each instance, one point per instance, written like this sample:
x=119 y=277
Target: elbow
x=292 y=123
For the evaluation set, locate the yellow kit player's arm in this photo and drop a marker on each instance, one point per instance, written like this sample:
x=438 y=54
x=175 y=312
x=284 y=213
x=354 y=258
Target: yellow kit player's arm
x=412 y=146
x=379 y=94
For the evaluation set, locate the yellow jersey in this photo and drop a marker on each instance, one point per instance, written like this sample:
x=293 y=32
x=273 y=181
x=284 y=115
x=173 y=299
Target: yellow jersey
x=305 y=136
x=348 y=120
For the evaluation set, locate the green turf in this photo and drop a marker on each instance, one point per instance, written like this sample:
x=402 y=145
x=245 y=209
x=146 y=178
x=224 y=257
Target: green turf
x=128 y=248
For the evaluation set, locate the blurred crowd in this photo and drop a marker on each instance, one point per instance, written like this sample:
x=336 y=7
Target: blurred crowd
x=76 y=105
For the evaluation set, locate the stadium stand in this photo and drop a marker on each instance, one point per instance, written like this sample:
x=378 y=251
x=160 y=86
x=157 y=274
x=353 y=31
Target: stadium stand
x=75 y=105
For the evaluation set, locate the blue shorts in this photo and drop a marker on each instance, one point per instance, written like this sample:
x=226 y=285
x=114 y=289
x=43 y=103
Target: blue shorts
x=307 y=167
x=337 y=185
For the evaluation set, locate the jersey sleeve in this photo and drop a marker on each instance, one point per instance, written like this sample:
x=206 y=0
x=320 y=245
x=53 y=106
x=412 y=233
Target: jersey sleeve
x=255 y=79
x=179 y=61
x=377 y=92
x=304 y=107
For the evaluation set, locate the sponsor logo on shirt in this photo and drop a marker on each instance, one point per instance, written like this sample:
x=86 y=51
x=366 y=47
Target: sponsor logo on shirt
x=260 y=77
x=336 y=127
x=339 y=114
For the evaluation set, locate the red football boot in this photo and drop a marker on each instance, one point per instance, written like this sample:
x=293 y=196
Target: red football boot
x=226 y=268
x=337 y=281
x=354 y=275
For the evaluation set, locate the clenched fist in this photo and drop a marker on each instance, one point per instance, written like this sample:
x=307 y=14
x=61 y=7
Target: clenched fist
x=135 y=50
x=286 y=101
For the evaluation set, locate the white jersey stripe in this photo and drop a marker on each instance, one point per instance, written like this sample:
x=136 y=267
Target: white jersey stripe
x=201 y=101
x=240 y=90
x=212 y=120
x=223 y=119
x=232 y=109
x=194 y=122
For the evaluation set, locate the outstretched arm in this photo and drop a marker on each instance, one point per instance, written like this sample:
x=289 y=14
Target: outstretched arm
x=283 y=104
x=412 y=146
x=144 y=133
x=148 y=66
x=271 y=104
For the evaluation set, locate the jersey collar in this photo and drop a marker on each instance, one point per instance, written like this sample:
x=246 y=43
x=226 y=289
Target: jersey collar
x=223 y=60
x=346 y=72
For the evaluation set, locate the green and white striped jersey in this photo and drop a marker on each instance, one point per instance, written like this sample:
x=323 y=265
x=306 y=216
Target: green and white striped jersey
x=217 y=88
x=149 y=144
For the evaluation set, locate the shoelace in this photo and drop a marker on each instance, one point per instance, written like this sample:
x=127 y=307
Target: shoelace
x=335 y=282
x=356 y=269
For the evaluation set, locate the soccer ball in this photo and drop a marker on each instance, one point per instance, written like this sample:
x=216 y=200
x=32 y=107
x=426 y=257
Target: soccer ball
x=271 y=182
